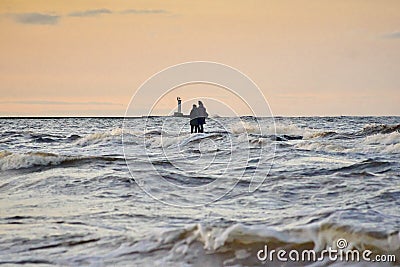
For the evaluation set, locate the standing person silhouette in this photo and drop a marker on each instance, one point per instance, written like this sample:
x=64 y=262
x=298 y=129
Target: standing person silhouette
x=194 y=123
x=202 y=115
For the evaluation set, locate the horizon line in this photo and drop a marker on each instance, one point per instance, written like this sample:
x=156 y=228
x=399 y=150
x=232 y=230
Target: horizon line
x=158 y=116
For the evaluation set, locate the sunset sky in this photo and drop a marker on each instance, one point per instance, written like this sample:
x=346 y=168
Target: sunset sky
x=311 y=57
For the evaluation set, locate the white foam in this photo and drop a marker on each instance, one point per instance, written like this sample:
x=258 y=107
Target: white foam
x=181 y=140
x=15 y=161
x=107 y=136
x=238 y=243
x=98 y=137
x=245 y=127
x=392 y=148
x=278 y=128
x=384 y=139
x=320 y=146
x=378 y=143
x=164 y=141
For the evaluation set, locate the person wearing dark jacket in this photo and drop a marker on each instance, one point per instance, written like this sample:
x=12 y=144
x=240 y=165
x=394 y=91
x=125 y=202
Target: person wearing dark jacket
x=202 y=115
x=194 y=124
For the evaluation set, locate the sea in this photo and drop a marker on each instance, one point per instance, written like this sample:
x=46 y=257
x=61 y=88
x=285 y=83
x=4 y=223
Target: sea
x=146 y=192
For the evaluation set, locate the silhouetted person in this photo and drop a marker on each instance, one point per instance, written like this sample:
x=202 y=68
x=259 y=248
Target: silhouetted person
x=194 y=124
x=202 y=115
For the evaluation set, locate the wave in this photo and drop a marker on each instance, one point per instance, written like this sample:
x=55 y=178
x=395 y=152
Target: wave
x=340 y=148
x=16 y=161
x=114 y=135
x=164 y=141
x=382 y=143
x=238 y=244
x=45 y=138
x=99 y=137
x=368 y=130
x=259 y=134
x=159 y=138
x=371 y=129
x=320 y=146
x=283 y=130
x=272 y=129
x=383 y=139
x=181 y=140
x=369 y=166
x=153 y=138
x=322 y=134
x=286 y=132
x=376 y=143
x=198 y=137
x=33 y=136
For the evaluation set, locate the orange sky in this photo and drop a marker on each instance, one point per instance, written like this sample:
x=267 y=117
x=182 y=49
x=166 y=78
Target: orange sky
x=308 y=57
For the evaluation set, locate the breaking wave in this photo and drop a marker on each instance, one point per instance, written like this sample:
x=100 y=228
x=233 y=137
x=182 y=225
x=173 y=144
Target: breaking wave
x=114 y=135
x=383 y=139
x=182 y=140
x=366 y=166
x=309 y=133
x=238 y=244
x=96 y=138
x=377 y=143
x=278 y=129
x=15 y=161
x=371 y=129
x=281 y=132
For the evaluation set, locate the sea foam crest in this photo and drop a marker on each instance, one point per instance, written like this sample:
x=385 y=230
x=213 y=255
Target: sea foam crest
x=15 y=161
x=271 y=129
x=238 y=244
x=181 y=140
x=106 y=136
x=383 y=143
x=377 y=143
x=383 y=139
x=164 y=141
x=373 y=128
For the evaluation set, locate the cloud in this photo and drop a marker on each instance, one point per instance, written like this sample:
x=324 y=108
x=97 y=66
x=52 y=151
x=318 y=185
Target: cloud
x=36 y=18
x=90 y=13
x=63 y=103
x=52 y=19
x=143 y=11
x=393 y=35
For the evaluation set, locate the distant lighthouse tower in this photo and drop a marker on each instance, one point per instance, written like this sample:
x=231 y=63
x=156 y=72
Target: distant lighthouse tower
x=179 y=113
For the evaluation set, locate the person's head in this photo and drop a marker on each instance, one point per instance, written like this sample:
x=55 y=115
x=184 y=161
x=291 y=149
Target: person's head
x=194 y=106
x=200 y=103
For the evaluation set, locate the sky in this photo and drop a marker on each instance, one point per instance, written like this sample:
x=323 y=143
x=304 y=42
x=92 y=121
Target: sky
x=308 y=57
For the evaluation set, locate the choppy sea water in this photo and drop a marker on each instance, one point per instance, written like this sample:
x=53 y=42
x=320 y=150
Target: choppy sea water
x=99 y=191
